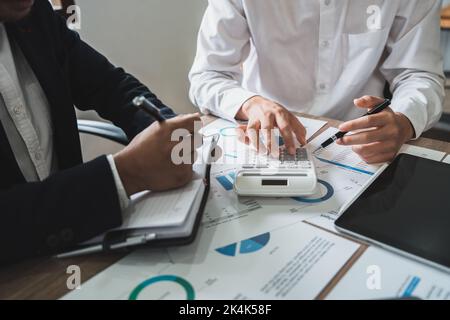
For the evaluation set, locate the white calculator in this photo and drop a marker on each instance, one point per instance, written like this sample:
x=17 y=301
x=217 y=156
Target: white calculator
x=287 y=176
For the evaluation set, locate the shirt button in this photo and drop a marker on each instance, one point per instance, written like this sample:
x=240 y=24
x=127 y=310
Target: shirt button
x=38 y=156
x=322 y=86
x=17 y=110
x=327 y=2
x=325 y=44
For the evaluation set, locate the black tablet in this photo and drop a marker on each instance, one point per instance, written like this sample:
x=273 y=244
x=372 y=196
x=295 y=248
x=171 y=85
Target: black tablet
x=406 y=209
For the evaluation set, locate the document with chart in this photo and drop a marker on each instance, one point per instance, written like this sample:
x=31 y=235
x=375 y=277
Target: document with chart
x=295 y=262
x=379 y=274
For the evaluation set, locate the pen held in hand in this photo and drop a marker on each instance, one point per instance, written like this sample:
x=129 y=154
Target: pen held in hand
x=147 y=106
x=377 y=109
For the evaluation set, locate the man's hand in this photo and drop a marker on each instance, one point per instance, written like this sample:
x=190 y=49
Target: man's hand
x=265 y=115
x=383 y=134
x=146 y=164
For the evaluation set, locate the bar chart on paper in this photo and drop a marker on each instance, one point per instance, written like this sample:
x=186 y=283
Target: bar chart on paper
x=224 y=205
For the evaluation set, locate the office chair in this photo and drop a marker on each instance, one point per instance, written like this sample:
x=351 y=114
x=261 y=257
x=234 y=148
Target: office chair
x=100 y=138
x=103 y=130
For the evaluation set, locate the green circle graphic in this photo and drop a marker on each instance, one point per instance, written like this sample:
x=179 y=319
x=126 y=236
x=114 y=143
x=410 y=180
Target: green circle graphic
x=190 y=294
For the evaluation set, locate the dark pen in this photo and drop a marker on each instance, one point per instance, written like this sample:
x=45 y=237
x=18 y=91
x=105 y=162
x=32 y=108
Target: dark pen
x=147 y=106
x=379 y=108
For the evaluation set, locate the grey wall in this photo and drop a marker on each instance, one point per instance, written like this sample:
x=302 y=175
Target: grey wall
x=154 y=40
x=445 y=42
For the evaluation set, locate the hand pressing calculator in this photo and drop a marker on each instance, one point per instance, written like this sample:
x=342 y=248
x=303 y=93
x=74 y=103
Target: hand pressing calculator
x=287 y=176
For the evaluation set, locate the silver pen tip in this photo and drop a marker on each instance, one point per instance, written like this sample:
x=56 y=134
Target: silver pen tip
x=318 y=150
x=138 y=101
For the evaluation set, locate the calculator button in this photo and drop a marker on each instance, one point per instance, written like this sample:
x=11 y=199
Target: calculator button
x=302 y=154
x=290 y=158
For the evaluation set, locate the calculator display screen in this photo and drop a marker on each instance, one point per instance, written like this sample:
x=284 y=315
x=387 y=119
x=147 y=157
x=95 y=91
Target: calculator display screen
x=274 y=183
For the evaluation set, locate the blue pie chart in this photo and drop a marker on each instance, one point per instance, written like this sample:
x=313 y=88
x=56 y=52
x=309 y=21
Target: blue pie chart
x=246 y=246
x=328 y=194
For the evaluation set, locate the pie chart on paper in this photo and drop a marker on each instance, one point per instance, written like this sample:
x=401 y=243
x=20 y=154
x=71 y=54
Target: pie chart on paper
x=246 y=246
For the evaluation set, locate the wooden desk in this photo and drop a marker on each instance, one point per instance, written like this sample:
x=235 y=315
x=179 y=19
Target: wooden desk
x=445 y=18
x=45 y=278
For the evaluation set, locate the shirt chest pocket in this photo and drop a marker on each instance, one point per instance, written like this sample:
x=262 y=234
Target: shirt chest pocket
x=361 y=54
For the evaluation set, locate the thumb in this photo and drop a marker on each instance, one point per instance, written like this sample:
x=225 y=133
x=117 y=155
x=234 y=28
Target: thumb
x=368 y=102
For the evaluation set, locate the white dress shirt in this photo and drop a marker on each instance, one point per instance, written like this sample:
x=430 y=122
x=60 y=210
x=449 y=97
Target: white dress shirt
x=317 y=56
x=25 y=117
x=29 y=130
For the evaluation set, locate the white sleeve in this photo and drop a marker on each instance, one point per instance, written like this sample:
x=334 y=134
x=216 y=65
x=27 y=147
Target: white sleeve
x=413 y=65
x=123 y=197
x=223 y=45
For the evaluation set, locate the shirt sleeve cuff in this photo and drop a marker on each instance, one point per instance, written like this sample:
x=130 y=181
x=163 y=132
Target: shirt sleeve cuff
x=123 y=197
x=413 y=112
x=232 y=101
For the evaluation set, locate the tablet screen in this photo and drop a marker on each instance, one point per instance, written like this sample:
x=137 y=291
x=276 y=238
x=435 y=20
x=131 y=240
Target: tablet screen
x=408 y=208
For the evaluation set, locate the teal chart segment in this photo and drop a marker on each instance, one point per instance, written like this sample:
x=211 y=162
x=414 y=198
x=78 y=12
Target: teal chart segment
x=226 y=181
x=412 y=285
x=328 y=194
x=228 y=132
x=190 y=293
x=246 y=246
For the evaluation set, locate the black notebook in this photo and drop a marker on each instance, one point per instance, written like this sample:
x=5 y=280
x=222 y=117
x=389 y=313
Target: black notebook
x=160 y=218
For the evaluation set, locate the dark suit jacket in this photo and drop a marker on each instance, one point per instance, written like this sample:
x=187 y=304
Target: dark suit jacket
x=81 y=200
